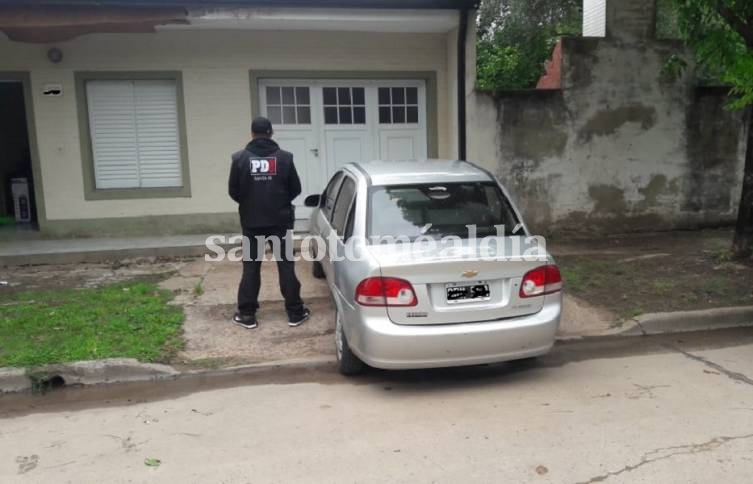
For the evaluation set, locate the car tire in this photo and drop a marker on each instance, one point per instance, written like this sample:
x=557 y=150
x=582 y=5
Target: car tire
x=348 y=363
x=317 y=270
x=524 y=363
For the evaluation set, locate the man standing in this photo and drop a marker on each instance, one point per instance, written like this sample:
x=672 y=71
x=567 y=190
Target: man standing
x=264 y=183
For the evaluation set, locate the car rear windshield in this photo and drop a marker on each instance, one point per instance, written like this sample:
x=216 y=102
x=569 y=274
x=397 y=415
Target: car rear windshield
x=407 y=210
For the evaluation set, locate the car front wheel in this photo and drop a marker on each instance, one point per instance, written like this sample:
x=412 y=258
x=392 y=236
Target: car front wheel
x=347 y=362
x=317 y=270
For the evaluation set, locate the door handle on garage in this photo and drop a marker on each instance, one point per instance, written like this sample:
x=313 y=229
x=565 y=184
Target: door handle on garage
x=315 y=151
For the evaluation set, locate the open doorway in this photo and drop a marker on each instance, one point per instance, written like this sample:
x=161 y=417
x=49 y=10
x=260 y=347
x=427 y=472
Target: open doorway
x=17 y=203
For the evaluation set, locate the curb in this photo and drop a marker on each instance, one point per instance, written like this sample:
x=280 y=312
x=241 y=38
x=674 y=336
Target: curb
x=128 y=370
x=260 y=369
x=14 y=380
x=651 y=324
x=82 y=373
x=686 y=321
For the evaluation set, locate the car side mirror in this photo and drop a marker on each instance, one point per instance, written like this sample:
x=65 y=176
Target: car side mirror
x=312 y=201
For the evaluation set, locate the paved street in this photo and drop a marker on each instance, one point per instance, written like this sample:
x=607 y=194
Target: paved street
x=661 y=409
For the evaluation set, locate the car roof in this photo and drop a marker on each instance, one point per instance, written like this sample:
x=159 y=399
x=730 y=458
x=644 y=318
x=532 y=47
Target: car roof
x=420 y=171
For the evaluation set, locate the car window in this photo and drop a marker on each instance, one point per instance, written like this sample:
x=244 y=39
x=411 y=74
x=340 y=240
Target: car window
x=349 y=222
x=343 y=203
x=439 y=209
x=328 y=197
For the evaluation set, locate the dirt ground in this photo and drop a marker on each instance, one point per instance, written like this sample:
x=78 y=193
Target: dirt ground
x=646 y=273
x=66 y=276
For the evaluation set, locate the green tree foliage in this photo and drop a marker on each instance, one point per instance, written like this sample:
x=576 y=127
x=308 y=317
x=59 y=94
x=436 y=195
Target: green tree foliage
x=721 y=35
x=516 y=37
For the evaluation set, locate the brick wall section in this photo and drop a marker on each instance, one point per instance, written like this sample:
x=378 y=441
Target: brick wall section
x=553 y=77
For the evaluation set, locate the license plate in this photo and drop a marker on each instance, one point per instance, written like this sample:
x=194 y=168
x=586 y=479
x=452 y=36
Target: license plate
x=460 y=293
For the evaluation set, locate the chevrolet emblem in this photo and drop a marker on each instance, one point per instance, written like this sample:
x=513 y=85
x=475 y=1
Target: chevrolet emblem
x=470 y=274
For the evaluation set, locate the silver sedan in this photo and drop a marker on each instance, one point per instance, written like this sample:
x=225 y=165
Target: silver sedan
x=430 y=265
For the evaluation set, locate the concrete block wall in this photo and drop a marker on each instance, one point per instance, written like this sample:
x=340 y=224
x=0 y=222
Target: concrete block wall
x=622 y=146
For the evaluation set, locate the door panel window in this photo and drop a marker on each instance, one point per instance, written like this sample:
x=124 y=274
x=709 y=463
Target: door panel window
x=328 y=200
x=328 y=123
x=344 y=105
x=398 y=105
x=349 y=223
x=288 y=105
x=343 y=203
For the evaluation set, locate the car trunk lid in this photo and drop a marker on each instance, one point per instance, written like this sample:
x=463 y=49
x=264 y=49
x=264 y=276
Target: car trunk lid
x=462 y=281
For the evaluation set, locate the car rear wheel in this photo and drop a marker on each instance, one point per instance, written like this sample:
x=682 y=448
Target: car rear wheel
x=347 y=362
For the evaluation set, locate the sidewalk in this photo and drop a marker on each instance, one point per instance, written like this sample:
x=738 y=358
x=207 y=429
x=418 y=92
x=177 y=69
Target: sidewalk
x=98 y=249
x=37 y=251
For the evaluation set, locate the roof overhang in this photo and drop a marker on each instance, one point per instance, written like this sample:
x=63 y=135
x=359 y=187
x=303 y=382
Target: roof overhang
x=344 y=20
x=60 y=20
x=366 y=4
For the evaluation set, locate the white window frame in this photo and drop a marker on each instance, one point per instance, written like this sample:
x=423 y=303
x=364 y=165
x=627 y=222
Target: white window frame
x=91 y=191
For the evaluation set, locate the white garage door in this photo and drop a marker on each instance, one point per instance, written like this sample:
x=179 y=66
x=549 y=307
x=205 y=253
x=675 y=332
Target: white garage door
x=328 y=123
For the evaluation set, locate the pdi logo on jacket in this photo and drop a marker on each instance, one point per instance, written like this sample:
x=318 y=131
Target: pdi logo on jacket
x=263 y=166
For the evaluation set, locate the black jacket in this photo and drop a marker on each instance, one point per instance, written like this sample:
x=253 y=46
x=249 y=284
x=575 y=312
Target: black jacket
x=264 y=182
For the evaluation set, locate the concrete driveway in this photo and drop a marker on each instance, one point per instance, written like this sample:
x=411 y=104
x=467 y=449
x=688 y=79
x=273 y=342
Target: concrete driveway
x=208 y=291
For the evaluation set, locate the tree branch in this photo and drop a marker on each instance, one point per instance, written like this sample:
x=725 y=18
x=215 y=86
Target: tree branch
x=744 y=28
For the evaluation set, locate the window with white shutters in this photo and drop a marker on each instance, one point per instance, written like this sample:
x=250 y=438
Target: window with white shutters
x=134 y=130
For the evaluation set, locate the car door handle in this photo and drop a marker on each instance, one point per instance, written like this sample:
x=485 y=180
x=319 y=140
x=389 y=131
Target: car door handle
x=315 y=151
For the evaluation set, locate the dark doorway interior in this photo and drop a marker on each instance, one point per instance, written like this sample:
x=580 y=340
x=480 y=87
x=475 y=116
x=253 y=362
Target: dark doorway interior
x=17 y=204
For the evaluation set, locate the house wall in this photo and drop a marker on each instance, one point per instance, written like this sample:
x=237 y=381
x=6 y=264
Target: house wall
x=623 y=146
x=215 y=68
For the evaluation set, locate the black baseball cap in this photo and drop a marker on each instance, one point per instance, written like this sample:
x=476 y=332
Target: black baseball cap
x=261 y=125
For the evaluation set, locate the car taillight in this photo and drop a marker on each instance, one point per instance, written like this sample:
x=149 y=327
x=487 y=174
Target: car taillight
x=540 y=281
x=385 y=291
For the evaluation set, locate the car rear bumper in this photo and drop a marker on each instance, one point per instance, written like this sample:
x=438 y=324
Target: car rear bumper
x=380 y=343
